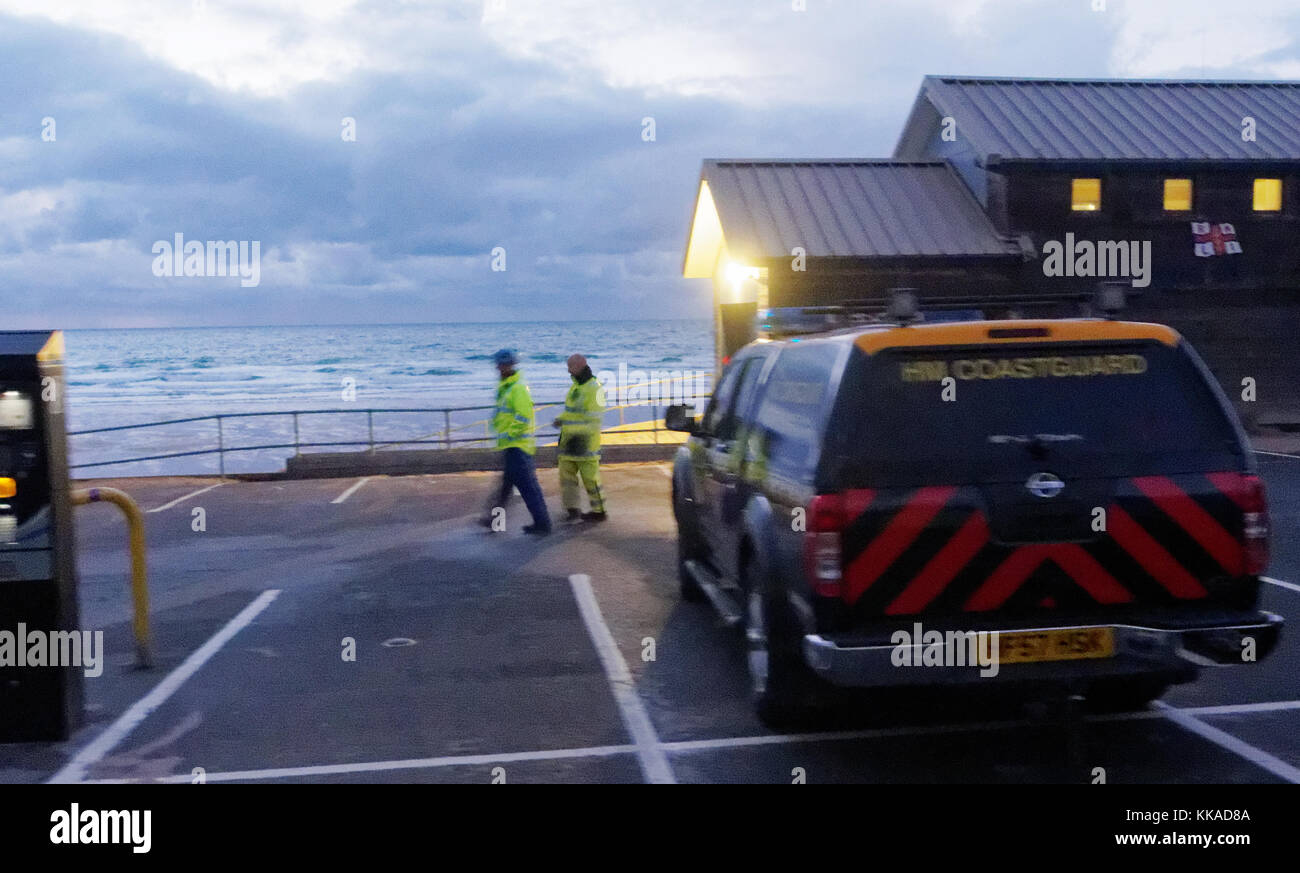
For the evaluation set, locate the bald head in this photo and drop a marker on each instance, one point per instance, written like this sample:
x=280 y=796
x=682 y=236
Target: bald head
x=577 y=363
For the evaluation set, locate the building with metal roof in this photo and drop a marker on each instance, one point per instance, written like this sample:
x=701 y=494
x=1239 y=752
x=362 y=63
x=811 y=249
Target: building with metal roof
x=1108 y=119
x=842 y=209
x=1006 y=190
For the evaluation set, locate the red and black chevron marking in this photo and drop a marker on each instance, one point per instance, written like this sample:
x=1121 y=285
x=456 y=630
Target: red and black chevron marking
x=934 y=550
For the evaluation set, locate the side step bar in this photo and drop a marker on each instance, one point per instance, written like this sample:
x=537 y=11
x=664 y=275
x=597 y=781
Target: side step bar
x=722 y=601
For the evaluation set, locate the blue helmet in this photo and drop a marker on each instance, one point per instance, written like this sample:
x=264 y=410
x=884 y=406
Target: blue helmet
x=505 y=356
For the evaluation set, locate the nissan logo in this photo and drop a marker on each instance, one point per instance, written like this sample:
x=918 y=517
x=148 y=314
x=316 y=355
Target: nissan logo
x=1044 y=485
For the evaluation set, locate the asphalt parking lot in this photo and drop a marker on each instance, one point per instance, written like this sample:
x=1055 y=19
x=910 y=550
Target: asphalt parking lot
x=486 y=657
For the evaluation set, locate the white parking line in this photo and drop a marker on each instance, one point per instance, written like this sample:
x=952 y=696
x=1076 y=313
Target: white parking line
x=838 y=736
x=1289 y=585
x=1242 y=708
x=590 y=752
x=1277 y=454
x=720 y=744
x=654 y=763
x=1279 y=768
x=75 y=770
x=409 y=764
x=351 y=490
x=186 y=497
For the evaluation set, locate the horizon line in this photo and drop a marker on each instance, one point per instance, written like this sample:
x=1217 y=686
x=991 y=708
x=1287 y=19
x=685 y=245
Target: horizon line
x=367 y=324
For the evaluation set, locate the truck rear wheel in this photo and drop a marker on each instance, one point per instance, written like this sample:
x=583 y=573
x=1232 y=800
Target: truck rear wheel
x=785 y=691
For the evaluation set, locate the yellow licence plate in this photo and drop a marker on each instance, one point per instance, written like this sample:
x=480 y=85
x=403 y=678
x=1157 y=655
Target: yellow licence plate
x=1056 y=645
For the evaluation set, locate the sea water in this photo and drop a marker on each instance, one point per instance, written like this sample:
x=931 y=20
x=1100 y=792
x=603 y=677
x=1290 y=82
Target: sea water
x=127 y=377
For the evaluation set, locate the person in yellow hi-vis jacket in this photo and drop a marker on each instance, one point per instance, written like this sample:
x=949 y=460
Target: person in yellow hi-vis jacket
x=579 y=447
x=513 y=423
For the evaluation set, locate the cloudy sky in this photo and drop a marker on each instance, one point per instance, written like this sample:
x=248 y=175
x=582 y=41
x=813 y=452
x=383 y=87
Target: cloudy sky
x=482 y=123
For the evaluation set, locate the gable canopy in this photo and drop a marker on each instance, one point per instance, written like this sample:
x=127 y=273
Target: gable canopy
x=762 y=210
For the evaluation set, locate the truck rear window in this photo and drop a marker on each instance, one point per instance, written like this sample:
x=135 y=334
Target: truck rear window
x=1000 y=413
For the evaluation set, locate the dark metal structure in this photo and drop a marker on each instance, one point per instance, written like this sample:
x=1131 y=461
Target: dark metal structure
x=38 y=572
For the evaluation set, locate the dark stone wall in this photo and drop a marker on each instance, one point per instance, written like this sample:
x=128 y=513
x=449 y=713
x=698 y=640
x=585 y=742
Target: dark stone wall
x=1037 y=203
x=1241 y=312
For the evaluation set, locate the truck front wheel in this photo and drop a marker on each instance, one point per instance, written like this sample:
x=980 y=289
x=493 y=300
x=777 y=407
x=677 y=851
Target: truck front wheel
x=690 y=589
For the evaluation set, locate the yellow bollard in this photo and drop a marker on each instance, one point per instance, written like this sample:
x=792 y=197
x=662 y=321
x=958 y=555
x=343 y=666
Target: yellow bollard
x=139 y=574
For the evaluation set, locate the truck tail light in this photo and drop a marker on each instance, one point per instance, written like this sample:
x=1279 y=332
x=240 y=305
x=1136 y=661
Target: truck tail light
x=822 y=547
x=1254 y=525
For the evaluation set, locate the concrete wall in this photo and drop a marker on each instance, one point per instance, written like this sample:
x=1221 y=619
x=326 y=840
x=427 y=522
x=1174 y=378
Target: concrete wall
x=328 y=465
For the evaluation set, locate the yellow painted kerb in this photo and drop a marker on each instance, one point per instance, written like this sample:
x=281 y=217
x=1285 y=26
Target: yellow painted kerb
x=968 y=333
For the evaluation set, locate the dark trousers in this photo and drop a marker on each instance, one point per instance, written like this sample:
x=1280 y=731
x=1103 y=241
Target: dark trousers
x=520 y=473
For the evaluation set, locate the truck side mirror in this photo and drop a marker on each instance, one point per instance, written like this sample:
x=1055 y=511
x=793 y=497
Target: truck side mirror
x=677 y=418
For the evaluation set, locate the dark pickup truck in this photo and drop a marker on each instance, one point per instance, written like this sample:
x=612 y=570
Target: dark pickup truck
x=1070 y=502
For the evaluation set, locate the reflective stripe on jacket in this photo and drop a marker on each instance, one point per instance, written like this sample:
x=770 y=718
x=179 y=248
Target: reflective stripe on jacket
x=584 y=410
x=513 y=419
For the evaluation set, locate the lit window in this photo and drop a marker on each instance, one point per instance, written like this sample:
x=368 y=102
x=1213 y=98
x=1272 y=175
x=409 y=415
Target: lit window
x=1085 y=195
x=1178 y=195
x=1268 y=195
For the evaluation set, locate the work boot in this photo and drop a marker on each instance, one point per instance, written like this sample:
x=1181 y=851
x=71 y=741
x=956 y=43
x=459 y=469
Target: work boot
x=537 y=530
x=574 y=515
x=593 y=516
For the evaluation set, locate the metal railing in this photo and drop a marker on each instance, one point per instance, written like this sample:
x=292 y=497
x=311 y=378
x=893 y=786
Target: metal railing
x=444 y=437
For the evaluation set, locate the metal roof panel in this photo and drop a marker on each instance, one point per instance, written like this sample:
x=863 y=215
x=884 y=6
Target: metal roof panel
x=1116 y=119
x=853 y=209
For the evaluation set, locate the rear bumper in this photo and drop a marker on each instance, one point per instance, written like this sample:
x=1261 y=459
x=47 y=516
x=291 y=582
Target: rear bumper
x=1176 y=652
